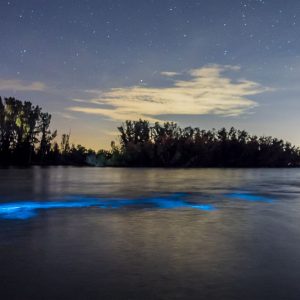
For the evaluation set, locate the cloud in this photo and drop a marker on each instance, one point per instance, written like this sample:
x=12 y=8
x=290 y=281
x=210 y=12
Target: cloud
x=63 y=115
x=169 y=74
x=20 y=85
x=206 y=90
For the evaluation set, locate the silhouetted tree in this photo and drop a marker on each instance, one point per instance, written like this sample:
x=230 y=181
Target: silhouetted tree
x=26 y=139
x=168 y=145
x=46 y=136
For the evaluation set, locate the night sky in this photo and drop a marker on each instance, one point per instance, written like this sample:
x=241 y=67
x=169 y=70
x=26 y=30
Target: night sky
x=94 y=64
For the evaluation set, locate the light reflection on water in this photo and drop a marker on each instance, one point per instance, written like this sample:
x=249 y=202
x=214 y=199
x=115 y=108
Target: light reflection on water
x=136 y=233
x=26 y=210
x=249 y=197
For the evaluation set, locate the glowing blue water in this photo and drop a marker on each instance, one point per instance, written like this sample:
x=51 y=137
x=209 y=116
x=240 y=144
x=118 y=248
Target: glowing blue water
x=249 y=197
x=26 y=210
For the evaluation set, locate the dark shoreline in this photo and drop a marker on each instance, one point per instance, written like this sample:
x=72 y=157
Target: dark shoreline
x=139 y=167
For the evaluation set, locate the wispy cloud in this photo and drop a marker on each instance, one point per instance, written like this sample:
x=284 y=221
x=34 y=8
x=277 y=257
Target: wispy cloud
x=169 y=74
x=207 y=90
x=64 y=115
x=20 y=85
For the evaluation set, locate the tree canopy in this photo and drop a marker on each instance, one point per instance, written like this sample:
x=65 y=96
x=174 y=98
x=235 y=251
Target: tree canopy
x=168 y=145
x=27 y=139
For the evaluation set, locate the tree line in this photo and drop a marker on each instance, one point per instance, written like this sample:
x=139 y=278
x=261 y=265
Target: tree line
x=168 y=145
x=26 y=139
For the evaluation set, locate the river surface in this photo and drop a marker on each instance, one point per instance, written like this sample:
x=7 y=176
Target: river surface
x=102 y=233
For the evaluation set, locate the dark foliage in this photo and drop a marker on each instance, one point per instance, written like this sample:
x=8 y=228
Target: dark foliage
x=26 y=139
x=168 y=145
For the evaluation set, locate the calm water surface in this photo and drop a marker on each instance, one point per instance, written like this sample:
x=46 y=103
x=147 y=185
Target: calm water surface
x=88 y=233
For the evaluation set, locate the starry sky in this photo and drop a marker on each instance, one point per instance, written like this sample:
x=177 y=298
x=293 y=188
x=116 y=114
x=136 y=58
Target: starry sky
x=93 y=64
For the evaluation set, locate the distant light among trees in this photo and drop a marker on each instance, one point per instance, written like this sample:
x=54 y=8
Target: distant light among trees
x=26 y=139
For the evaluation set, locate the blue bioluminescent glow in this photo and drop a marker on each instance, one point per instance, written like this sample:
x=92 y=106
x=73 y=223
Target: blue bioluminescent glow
x=250 y=197
x=26 y=210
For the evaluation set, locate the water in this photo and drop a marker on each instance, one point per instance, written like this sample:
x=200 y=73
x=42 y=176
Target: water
x=88 y=233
